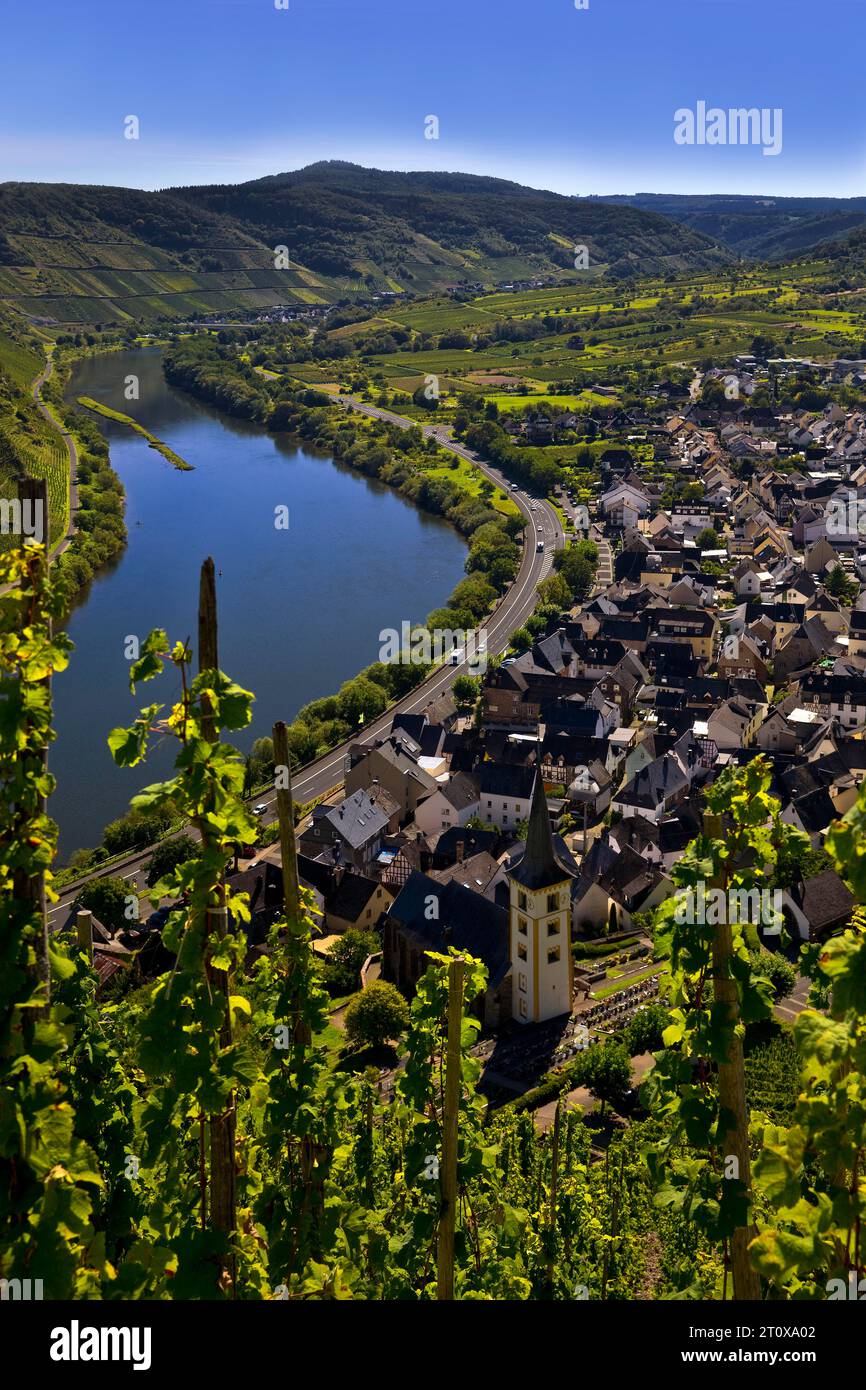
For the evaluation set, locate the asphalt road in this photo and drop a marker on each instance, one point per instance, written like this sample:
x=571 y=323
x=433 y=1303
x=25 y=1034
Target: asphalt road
x=514 y=608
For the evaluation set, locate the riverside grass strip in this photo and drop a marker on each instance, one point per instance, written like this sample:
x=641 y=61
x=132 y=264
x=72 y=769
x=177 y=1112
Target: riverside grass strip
x=174 y=459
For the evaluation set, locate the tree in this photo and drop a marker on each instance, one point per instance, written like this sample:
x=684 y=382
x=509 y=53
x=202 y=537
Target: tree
x=521 y=638
x=360 y=700
x=555 y=591
x=577 y=565
x=346 y=957
x=377 y=1015
x=473 y=593
x=769 y=965
x=606 y=1072
x=643 y=1032
x=108 y=899
x=466 y=689
x=840 y=586
x=262 y=760
x=167 y=855
x=708 y=539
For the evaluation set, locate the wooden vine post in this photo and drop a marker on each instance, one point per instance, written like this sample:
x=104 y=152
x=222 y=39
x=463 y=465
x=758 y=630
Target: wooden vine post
x=734 y=1139
x=223 y=1198
x=289 y=858
x=554 y=1193
x=84 y=933
x=33 y=501
x=450 y=1115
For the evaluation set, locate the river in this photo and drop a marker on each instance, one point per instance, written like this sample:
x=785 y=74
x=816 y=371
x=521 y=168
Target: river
x=300 y=609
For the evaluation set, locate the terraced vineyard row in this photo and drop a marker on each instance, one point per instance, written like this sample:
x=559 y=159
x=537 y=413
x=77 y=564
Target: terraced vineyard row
x=46 y=458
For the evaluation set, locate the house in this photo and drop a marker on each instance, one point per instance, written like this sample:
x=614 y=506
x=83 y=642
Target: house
x=506 y=699
x=350 y=833
x=505 y=793
x=791 y=728
x=653 y=791
x=696 y=629
x=346 y=899
x=750 y=581
x=613 y=885
x=462 y=842
x=590 y=790
x=451 y=804
x=819 y=907
x=481 y=873
x=392 y=764
x=742 y=656
x=622 y=684
x=734 y=724
x=836 y=697
x=623 y=503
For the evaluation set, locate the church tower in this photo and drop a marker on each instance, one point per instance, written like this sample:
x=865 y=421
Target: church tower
x=540 y=922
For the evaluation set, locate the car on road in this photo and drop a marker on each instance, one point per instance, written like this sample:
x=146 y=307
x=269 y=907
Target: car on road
x=539 y=529
x=259 y=809
x=457 y=656
x=540 y=545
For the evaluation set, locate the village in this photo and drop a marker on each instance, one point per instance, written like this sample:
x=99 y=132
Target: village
x=537 y=828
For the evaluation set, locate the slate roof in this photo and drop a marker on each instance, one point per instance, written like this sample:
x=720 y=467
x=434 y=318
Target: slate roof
x=356 y=819
x=824 y=900
x=460 y=791
x=473 y=841
x=465 y=920
x=506 y=779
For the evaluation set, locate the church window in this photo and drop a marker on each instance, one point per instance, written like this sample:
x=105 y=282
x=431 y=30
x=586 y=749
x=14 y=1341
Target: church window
x=553 y=955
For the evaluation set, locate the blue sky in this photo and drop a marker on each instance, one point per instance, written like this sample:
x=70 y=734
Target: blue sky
x=534 y=90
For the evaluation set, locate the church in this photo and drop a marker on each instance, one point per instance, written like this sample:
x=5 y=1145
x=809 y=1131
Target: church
x=539 y=921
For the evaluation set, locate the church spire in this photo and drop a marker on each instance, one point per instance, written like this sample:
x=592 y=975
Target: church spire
x=539 y=866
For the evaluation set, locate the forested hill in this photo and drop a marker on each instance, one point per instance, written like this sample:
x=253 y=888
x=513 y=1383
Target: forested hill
x=87 y=254
x=424 y=230
x=761 y=228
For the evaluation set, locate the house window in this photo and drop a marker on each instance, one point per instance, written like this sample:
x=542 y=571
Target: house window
x=521 y=982
x=553 y=927
x=553 y=955
x=552 y=902
x=521 y=951
x=521 y=1004
x=521 y=901
x=517 y=807
x=521 y=925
